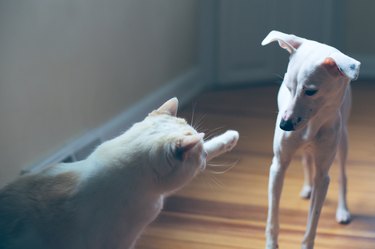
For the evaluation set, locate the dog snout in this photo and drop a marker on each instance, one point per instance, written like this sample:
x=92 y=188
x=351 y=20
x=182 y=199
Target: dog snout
x=289 y=124
x=286 y=125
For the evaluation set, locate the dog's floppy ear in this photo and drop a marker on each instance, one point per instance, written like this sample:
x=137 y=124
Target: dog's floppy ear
x=345 y=65
x=288 y=42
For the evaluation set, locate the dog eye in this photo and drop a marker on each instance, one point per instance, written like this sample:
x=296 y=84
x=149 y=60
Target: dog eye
x=311 y=92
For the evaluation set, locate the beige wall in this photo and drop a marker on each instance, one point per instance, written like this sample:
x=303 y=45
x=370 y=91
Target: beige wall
x=68 y=66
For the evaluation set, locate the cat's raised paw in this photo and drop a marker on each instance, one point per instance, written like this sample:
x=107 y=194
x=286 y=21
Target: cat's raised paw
x=230 y=139
x=221 y=144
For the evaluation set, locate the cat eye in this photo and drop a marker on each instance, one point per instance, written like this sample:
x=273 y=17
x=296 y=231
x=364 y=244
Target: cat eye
x=311 y=92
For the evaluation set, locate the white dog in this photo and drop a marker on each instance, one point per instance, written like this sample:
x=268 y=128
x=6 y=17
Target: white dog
x=314 y=102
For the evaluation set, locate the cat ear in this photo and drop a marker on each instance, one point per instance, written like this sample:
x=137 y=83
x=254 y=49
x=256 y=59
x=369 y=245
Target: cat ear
x=341 y=64
x=289 y=42
x=186 y=143
x=170 y=107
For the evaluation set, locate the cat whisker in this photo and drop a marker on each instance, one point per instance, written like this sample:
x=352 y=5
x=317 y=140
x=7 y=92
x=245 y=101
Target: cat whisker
x=213 y=165
x=203 y=178
x=216 y=181
x=213 y=132
x=200 y=122
x=193 y=113
x=205 y=131
x=229 y=167
x=280 y=78
x=207 y=181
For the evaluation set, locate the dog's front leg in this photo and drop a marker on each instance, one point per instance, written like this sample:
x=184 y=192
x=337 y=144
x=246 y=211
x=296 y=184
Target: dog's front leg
x=275 y=184
x=280 y=163
x=318 y=195
x=324 y=158
x=308 y=163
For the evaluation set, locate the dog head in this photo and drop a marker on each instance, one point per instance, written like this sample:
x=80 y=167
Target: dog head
x=316 y=78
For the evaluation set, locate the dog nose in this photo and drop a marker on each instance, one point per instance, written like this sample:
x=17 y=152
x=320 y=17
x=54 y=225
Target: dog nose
x=286 y=125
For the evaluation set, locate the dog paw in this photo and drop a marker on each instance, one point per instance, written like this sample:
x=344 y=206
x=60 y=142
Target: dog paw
x=307 y=246
x=343 y=216
x=271 y=242
x=272 y=246
x=305 y=192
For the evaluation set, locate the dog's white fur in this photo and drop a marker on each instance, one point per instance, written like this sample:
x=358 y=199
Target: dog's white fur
x=314 y=102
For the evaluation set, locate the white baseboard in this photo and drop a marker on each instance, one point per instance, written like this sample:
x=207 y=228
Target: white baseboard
x=184 y=87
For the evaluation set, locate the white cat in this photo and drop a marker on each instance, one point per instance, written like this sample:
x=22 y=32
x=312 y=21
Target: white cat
x=107 y=200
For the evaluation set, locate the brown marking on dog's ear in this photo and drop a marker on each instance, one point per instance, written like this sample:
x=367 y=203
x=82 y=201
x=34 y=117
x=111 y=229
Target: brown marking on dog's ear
x=332 y=67
x=329 y=62
x=340 y=64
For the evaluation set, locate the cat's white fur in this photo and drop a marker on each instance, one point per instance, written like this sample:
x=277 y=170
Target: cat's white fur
x=107 y=200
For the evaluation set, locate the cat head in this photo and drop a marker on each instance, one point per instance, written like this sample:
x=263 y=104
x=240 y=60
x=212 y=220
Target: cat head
x=174 y=150
x=167 y=147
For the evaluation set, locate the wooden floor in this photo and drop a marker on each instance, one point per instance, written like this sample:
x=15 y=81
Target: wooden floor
x=218 y=211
